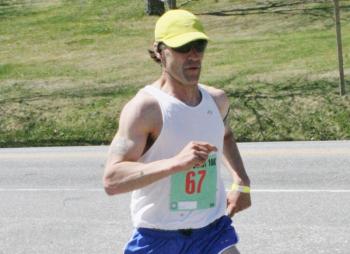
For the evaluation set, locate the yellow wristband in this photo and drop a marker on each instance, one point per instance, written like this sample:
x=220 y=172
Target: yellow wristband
x=240 y=188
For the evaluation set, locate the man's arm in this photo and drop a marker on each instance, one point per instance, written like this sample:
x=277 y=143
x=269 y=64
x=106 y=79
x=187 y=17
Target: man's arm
x=236 y=201
x=140 y=118
x=233 y=157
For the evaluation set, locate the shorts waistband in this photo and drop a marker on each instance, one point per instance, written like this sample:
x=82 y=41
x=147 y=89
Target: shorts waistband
x=186 y=232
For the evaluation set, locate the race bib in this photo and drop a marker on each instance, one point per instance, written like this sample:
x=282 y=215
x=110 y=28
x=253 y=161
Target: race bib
x=196 y=188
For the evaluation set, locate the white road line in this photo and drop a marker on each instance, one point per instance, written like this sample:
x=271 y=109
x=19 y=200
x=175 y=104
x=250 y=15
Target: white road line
x=300 y=190
x=101 y=190
x=53 y=156
x=49 y=189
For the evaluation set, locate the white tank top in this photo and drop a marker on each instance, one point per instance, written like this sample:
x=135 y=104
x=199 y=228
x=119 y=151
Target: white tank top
x=189 y=199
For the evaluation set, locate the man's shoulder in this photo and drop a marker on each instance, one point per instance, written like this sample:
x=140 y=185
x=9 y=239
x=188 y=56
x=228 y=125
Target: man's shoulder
x=142 y=110
x=143 y=102
x=219 y=97
x=213 y=91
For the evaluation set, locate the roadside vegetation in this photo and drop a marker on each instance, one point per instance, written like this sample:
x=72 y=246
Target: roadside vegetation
x=68 y=67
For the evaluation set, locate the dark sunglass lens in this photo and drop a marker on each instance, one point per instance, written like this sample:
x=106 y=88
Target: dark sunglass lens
x=184 y=49
x=200 y=45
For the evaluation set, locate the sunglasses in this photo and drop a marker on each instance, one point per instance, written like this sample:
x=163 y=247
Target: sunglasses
x=198 y=45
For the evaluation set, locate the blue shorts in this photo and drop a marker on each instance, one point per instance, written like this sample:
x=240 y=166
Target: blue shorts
x=211 y=239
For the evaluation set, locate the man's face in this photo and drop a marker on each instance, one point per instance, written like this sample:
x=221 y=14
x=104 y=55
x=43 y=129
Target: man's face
x=184 y=64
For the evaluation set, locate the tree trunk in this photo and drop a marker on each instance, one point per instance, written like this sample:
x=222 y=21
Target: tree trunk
x=172 y=4
x=154 y=7
x=340 y=49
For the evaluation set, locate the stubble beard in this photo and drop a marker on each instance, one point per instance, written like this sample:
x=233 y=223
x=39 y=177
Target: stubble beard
x=184 y=75
x=191 y=77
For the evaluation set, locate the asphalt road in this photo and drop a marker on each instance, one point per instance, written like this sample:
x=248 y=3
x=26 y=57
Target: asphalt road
x=52 y=201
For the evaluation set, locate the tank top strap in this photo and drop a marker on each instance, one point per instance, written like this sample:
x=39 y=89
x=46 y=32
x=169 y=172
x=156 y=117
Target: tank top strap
x=161 y=96
x=208 y=99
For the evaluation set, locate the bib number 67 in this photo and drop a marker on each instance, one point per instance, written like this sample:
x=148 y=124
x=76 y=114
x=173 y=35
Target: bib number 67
x=194 y=181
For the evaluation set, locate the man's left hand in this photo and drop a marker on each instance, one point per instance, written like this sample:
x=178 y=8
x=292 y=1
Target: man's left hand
x=237 y=201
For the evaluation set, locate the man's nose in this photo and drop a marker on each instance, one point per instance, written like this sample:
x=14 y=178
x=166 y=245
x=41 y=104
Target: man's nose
x=193 y=54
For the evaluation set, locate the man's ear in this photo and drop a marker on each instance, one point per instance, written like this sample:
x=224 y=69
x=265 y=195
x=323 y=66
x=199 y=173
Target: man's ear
x=156 y=50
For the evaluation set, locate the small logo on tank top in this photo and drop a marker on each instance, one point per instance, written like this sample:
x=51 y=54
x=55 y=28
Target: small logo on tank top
x=210 y=112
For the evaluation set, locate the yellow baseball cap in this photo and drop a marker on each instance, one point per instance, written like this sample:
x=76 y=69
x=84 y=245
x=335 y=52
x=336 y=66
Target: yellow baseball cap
x=178 y=27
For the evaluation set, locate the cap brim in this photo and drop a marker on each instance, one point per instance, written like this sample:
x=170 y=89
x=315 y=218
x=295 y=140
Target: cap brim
x=182 y=39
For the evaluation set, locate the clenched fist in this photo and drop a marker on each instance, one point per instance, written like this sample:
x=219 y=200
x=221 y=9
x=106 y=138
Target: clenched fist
x=194 y=154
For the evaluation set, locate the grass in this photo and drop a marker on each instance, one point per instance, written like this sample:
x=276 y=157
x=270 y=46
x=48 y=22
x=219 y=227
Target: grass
x=68 y=67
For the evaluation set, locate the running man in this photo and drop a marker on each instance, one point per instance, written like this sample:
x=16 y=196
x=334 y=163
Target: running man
x=171 y=142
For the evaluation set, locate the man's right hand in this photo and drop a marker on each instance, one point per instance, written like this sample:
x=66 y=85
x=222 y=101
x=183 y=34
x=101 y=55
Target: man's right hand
x=194 y=154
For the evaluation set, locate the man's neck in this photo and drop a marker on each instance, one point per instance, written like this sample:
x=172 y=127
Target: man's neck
x=187 y=93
